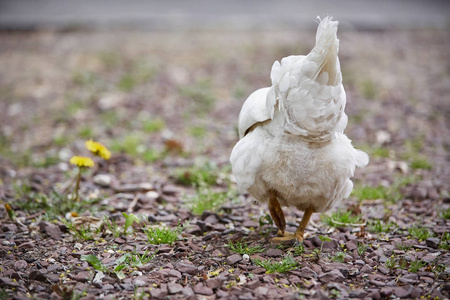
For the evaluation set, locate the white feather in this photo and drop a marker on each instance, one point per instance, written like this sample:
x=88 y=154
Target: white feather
x=292 y=139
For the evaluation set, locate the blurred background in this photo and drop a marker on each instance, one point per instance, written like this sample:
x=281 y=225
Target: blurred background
x=161 y=82
x=236 y=15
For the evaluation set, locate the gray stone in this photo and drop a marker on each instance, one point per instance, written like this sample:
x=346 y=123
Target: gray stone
x=214 y=283
x=20 y=265
x=103 y=180
x=201 y=289
x=358 y=293
x=9 y=227
x=272 y=252
x=433 y=242
x=186 y=268
x=174 y=287
x=82 y=276
x=38 y=276
x=332 y=276
x=343 y=268
x=233 y=259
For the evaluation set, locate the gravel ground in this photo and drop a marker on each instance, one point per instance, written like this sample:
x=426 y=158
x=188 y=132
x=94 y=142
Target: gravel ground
x=166 y=105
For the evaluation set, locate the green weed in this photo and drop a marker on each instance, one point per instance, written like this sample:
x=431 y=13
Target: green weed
x=242 y=247
x=162 y=234
x=288 y=263
x=403 y=247
x=421 y=163
x=446 y=214
x=445 y=241
x=299 y=249
x=339 y=257
x=362 y=248
x=153 y=125
x=369 y=192
x=340 y=218
x=112 y=226
x=379 y=226
x=206 y=199
x=391 y=263
x=416 y=265
x=206 y=173
x=421 y=233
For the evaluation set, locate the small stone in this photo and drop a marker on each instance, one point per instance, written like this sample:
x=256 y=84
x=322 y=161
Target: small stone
x=20 y=265
x=245 y=257
x=358 y=293
x=272 y=252
x=103 y=180
x=158 y=293
x=343 y=268
x=186 y=268
x=387 y=291
x=253 y=284
x=332 y=276
x=132 y=188
x=433 y=242
x=402 y=292
x=261 y=290
x=214 y=283
x=82 y=276
x=233 y=259
x=187 y=291
x=27 y=245
x=9 y=227
x=351 y=245
x=305 y=272
x=360 y=262
x=201 y=289
x=174 y=287
x=374 y=294
x=38 y=276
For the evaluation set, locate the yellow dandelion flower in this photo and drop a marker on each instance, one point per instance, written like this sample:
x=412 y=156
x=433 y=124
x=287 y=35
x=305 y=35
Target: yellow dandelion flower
x=98 y=149
x=82 y=161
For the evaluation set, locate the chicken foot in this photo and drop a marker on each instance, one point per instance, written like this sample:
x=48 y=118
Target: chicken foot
x=299 y=234
x=277 y=215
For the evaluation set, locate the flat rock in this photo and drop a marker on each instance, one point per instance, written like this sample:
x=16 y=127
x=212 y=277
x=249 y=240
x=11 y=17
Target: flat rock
x=332 y=276
x=214 y=283
x=358 y=293
x=433 y=242
x=20 y=265
x=201 y=289
x=233 y=259
x=82 y=276
x=174 y=287
x=103 y=180
x=186 y=268
x=343 y=268
x=273 y=252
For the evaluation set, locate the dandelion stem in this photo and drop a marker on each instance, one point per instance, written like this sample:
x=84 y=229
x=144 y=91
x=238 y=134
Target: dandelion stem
x=77 y=186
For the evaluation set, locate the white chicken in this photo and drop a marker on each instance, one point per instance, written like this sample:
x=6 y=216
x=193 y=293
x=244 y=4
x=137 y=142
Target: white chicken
x=292 y=150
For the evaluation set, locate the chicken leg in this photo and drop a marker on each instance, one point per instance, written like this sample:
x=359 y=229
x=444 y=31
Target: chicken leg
x=299 y=233
x=276 y=212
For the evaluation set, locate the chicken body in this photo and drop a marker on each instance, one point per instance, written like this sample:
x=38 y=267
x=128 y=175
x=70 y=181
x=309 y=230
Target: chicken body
x=292 y=150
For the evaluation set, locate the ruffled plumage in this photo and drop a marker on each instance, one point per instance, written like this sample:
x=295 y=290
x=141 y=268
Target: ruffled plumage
x=292 y=142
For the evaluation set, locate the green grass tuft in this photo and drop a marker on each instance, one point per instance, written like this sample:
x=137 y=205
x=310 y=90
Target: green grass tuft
x=421 y=163
x=340 y=218
x=288 y=263
x=161 y=234
x=206 y=199
x=379 y=226
x=419 y=232
x=242 y=247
